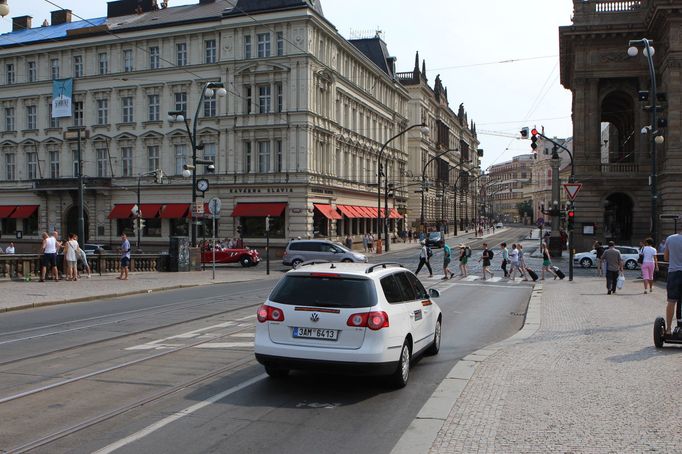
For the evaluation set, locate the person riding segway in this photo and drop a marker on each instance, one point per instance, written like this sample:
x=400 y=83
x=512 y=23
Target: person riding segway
x=662 y=328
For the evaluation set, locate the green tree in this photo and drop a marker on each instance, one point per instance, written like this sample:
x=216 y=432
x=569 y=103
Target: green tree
x=525 y=208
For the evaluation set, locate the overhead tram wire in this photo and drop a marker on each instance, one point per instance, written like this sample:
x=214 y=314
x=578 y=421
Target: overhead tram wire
x=472 y=65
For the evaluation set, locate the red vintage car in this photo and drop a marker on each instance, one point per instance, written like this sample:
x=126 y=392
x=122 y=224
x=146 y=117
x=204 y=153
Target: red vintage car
x=245 y=256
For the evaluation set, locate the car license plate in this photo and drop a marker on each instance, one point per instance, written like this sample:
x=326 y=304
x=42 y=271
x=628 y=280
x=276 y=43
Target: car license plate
x=316 y=333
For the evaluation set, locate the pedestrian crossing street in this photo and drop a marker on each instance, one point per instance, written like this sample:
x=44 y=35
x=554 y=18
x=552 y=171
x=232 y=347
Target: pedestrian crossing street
x=472 y=278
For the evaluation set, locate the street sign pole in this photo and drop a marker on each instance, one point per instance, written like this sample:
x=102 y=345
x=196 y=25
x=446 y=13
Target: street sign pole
x=213 y=244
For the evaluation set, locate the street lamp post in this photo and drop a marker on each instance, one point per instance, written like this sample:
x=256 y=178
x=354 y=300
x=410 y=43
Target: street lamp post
x=648 y=52
x=208 y=91
x=421 y=219
x=81 y=188
x=425 y=130
x=158 y=173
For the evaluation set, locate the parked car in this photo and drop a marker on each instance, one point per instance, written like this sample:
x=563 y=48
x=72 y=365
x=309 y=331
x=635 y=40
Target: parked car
x=499 y=225
x=245 y=256
x=299 y=251
x=348 y=317
x=435 y=239
x=91 y=249
x=630 y=254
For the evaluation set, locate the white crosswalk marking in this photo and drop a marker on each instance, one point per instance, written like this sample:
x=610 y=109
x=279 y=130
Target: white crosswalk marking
x=225 y=345
x=495 y=279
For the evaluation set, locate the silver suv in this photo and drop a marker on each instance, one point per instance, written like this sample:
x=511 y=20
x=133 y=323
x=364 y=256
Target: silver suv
x=299 y=251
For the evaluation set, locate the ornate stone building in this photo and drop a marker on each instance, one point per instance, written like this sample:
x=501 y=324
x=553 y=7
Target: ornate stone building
x=509 y=184
x=451 y=186
x=616 y=197
x=296 y=137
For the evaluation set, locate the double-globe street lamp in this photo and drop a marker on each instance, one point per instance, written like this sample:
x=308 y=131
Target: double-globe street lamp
x=425 y=131
x=209 y=90
x=648 y=52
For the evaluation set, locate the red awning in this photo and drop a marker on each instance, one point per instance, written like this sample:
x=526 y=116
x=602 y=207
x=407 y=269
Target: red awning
x=150 y=210
x=347 y=211
x=362 y=212
x=258 y=210
x=175 y=211
x=121 y=211
x=6 y=210
x=327 y=211
x=395 y=215
x=24 y=211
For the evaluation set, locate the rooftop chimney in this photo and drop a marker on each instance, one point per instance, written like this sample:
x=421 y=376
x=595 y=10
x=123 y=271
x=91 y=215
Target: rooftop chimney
x=21 y=23
x=61 y=16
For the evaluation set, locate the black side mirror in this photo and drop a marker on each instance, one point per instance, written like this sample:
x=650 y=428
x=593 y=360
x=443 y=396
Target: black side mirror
x=433 y=293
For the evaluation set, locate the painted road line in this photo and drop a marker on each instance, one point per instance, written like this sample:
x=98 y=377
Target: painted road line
x=470 y=278
x=226 y=345
x=161 y=343
x=178 y=415
x=495 y=279
x=246 y=318
x=243 y=335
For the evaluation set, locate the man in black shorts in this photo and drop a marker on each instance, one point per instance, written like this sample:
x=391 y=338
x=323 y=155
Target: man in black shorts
x=673 y=255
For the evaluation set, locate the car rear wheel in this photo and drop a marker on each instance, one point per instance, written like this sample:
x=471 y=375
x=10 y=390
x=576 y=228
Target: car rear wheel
x=346 y=260
x=276 y=372
x=434 y=348
x=296 y=262
x=402 y=373
x=586 y=263
x=246 y=261
x=631 y=264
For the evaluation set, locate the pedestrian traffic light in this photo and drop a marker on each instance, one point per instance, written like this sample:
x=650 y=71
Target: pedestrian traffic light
x=239 y=229
x=570 y=219
x=267 y=223
x=534 y=139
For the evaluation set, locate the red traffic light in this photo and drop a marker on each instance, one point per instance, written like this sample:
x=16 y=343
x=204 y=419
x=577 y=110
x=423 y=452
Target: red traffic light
x=534 y=132
x=571 y=214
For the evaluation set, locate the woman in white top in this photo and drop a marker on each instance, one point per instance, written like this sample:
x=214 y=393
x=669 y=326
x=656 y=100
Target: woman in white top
x=71 y=255
x=649 y=264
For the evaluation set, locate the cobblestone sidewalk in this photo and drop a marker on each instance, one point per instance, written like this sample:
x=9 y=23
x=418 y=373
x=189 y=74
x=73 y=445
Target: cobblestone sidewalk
x=588 y=380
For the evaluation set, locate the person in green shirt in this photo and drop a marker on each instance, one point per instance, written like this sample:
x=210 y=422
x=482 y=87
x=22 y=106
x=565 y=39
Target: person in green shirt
x=446 y=261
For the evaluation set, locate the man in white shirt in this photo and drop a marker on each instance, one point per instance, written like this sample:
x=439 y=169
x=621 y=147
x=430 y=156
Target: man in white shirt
x=10 y=249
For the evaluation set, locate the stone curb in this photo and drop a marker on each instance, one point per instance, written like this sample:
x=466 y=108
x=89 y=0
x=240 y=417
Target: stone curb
x=112 y=295
x=423 y=430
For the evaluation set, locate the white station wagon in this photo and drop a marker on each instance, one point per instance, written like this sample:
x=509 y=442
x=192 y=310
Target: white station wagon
x=350 y=318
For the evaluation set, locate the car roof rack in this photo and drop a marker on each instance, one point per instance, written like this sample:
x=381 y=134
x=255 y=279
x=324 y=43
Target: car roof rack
x=383 y=265
x=312 y=262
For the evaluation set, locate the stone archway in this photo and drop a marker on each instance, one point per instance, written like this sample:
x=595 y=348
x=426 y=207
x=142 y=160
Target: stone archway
x=72 y=224
x=618 y=111
x=618 y=218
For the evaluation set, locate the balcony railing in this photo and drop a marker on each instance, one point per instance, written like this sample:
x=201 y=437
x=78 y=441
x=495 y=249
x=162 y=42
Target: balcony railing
x=27 y=266
x=619 y=169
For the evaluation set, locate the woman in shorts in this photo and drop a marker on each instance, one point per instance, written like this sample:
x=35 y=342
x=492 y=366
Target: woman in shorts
x=71 y=252
x=649 y=264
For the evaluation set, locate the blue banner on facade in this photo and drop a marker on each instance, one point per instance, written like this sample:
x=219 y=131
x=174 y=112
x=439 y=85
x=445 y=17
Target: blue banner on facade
x=62 y=91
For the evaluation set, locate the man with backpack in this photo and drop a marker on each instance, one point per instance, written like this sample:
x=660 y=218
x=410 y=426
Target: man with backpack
x=487 y=256
x=425 y=254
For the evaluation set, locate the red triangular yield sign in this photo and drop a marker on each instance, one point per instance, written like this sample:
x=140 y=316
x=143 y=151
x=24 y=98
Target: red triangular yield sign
x=572 y=190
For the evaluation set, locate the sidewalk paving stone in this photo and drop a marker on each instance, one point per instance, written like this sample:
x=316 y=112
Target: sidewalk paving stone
x=587 y=379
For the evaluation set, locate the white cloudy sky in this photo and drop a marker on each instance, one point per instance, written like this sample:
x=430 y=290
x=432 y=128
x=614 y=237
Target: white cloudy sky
x=499 y=57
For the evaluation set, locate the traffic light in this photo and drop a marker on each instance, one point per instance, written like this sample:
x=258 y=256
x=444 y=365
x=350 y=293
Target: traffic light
x=534 y=139
x=239 y=229
x=570 y=219
x=158 y=176
x=267 y=223
x=524 y=132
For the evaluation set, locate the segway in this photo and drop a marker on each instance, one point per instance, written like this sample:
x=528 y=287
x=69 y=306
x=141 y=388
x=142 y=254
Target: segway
x=660 y=337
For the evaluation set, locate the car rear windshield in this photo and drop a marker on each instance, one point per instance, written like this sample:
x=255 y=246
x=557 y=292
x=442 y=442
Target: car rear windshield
x=434 y=235
x=325 y=291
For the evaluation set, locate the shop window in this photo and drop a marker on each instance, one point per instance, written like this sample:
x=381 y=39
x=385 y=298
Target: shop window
x=125 y=226
x=31 y=224
x=9 y=227
x=254 y=227
x=179 y=227
x=152 y=227
x=205 y=229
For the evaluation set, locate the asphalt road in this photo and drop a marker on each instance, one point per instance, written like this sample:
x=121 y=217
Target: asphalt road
x=174 y=372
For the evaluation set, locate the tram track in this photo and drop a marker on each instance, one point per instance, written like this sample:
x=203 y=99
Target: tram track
x=117 y=367
x=132 y=333
x=92 y=421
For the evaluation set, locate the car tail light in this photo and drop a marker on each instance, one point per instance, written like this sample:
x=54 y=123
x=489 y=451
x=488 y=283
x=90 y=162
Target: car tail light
x=372 y=320
x=269 y=314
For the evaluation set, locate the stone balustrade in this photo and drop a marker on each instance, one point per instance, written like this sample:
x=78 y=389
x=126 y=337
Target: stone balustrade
x=609 y=11
x=27 y=266
x=620 y=169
